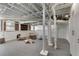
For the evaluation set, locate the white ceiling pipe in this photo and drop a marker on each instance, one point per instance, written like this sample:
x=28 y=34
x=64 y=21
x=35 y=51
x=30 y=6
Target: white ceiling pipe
x=44 y=51
x=22 y=22
x=12 y=19
x=9 y=18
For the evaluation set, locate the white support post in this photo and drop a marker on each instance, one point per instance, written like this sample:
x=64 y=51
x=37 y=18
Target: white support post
x=49 y=33
x=55 y=28
x=28 y=27
x=44 y=52
x=19 y=27
x=33 y=27
x=3 y=28
x=2 y=25
x=69 y=26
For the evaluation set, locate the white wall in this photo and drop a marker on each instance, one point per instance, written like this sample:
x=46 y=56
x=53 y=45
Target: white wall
x=61 y=30
x=74 y=30
x=12 y=35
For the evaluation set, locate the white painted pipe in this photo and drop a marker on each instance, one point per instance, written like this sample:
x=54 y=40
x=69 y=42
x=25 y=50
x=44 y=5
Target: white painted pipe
x=44 y=51
x=33 y=27
x=19 y=27
x=49 y=30
x=49 y=33
x=43 y=26
x=3 y=28
x=55 y=27
x=28 y=27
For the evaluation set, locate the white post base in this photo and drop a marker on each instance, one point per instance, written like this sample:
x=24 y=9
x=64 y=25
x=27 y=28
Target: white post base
x=55 y=42
x=44 y=52
x=55 y=47
x=50 y=44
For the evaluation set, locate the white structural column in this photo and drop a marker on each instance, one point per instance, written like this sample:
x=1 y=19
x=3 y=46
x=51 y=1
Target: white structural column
x=2 y=25
x=28 y=27
x=33 y=27
x=68 y=30
x=49 y=33
x=44 y=52
x=19 y=27
x=55 y=28
x=3 y=28
x=43 y=26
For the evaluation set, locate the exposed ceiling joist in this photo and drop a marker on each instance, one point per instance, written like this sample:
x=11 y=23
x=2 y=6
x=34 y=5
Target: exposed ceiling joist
x=18 y=13
x=3 y=10
x=18 y=9
x=61 y=6
x=24 y=11
x=34 y=7
x=26 y=7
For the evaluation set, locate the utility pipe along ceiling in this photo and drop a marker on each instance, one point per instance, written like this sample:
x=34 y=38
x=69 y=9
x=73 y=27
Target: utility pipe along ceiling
x=32 y=11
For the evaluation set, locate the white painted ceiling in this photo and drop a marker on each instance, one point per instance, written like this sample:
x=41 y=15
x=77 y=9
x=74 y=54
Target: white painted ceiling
x=29 y=11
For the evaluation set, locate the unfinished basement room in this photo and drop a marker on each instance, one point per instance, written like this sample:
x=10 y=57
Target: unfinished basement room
x=39 y=29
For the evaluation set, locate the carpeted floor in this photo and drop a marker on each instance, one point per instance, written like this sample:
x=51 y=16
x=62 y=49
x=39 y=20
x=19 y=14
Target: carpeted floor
x=19 y=48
